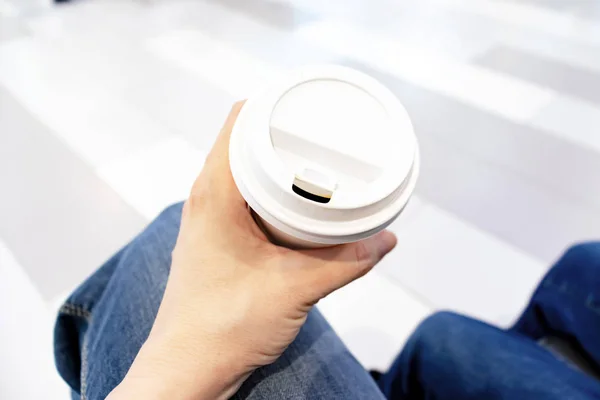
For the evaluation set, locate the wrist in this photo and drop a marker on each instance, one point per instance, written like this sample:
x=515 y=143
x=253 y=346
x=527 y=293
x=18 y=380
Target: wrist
x=172 y=370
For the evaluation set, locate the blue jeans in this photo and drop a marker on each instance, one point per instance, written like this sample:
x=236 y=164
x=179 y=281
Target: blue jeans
x=103 y=324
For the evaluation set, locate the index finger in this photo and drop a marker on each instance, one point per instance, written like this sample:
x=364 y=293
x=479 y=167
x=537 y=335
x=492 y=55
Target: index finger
x=221 y=145
x=216 y=175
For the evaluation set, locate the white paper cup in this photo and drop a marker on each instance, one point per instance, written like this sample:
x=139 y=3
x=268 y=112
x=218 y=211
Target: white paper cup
x=325 y=156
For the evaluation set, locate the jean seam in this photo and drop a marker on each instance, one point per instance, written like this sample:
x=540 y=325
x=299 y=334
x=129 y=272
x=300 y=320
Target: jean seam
x=75 y=311
x=84 y=369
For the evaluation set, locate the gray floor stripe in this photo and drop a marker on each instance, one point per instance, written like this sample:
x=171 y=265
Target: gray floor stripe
x=275 y=14
x=59 y=219
x=563 y=78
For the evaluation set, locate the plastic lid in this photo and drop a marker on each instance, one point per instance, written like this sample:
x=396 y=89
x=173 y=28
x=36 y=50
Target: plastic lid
x=328 y=151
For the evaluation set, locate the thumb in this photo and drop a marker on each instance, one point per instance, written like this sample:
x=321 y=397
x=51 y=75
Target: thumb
x=331 y=268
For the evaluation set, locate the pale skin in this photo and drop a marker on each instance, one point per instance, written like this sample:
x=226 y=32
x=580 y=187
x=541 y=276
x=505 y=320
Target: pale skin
x=233 y=300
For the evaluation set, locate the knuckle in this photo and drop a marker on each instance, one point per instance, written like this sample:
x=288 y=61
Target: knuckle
x=195 y=203
x=362 y=254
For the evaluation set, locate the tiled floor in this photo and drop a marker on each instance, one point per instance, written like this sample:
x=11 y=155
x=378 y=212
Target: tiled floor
x=108 y=107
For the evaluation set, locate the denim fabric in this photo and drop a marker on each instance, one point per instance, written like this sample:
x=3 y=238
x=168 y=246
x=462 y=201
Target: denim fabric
x=455 y=357
x=106 y=320
x=566 y=304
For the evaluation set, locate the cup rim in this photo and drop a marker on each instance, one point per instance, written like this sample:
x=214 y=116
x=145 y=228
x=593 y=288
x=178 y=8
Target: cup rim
x=252 y=158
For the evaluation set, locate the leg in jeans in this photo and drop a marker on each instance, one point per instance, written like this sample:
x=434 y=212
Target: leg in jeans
x=105 y=322
x=454 y=357
x=566 y=304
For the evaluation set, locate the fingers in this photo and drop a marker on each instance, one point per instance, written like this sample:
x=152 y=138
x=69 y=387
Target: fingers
x=215 y=180
x=221 y=145
x=331 y=268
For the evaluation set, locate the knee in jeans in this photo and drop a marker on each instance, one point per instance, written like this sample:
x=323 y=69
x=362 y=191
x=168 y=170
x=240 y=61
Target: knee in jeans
x=156 y=242
x=579 y=264
x=587 y=253
x=437 y=322
x=444 y=333
x=166 y=225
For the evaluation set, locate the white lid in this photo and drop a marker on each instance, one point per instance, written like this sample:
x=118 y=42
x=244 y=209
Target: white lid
x=335 y=133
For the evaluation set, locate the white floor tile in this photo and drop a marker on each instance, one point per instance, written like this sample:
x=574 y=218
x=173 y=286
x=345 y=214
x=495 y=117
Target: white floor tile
x=213 y=61
x=571 y=119
x=271 y=44
x=410 y=212
x=25 y=338
x=532 y=16
x=495 y=92
x=454 y=265
x=8 y=10
x=47 y=25
x=435 y=29
x=89 y=19
x=90 y=117
x=181 y=101
x=374 y=316
x=156 y=176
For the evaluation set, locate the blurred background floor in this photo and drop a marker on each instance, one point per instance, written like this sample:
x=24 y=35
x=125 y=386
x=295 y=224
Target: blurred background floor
x=108 y=108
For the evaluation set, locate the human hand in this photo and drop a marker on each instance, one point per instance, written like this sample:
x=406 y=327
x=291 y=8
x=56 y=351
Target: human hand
x=233 y=301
